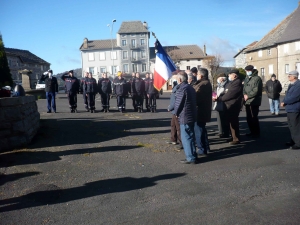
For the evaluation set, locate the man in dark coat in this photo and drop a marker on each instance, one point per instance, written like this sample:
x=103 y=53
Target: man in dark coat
x=203 y=90
x=151 y=94
x=232 y=98
x=133 y=93
x=91 y=90
x=72 y=88
x=140 y=92
x=104 y=87
x=82 y=90
x=185 y=111
x=120 y=90
x=252 y=95
x=51 y=89
x=291 y=102
x=146 y=88
x=273 y=89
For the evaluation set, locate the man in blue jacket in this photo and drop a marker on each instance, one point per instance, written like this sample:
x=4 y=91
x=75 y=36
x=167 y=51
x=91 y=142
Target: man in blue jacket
x=185 y=111
x=291 y=102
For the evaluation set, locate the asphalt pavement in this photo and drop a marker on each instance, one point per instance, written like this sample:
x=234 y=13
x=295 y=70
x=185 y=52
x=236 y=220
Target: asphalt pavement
x=114 y=168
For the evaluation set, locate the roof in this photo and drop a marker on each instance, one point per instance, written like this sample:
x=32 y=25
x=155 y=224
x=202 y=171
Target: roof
x=292 y=31
x=287 y=30
x=100 y=44
x=248 y=46
x=25 y=56
x=132 y=27
x=181 y=52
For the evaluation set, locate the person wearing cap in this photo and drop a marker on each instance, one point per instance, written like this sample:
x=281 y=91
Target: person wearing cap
x=51 y=89
x=120 y=91
x=273 y=89
x=252 y=96
x=219 y=106
x=91 y=90
x=72 y=88
x=291 y=102
x=82 y=90
x=232 y=97
x=203 y=90
x=104 y=87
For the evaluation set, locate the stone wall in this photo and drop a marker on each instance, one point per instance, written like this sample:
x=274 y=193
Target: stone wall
x=19 y=121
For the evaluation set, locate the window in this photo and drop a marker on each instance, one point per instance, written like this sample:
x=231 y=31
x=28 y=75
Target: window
x=114 y=69
x=188 y=67
x=125 y=68
x=262 y=72
x=144 y=67
x=142 y=41
x=134 y=55
x=287 y=68
x=113 y=55
x=125 y=55
x=143 y=54
x=134 y=68
x=132 y=35
x=123 y=35
x=102 y=69
x=142 y=35
x=297 y=45
x=271 y=69
x=286 y=48
x=102 y=56
x=91 y=56
x=133 y=42
x=91 y=70
x=269 y=51
x=260 y=53
x=124 y=42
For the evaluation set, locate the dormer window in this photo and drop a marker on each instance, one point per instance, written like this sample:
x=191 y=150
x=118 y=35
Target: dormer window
x=123 y=35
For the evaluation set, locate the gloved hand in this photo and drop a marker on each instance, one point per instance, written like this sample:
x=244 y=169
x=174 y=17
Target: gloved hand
x=45 y=73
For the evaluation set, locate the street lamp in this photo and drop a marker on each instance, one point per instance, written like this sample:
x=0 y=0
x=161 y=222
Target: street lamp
x=112 y=45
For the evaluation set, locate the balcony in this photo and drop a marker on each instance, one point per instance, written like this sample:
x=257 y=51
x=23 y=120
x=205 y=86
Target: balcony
x=136 y=46
x=135 y=59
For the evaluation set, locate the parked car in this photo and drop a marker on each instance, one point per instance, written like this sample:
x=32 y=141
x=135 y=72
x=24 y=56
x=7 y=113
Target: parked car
x=40 y=84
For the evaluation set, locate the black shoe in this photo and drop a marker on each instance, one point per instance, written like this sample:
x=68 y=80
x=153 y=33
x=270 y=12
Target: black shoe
x=72 y=111
x=48 y=111
x=202 y=155
x=184 y=161
x=290 y=143
x=294 y=147
x=92 y=111
x=179 y=147
x=102 y=110
x=148 y=110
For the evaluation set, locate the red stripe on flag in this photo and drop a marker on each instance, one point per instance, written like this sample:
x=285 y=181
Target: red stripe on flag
x=159 y=81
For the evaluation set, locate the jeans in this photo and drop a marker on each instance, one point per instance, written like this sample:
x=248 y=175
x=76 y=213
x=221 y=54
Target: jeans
x=51 y=101
x=274 y=105
x=188 y=141
x=201 y=138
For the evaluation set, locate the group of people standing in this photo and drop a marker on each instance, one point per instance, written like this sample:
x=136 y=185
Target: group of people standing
x=191 y=103
x=138 y=88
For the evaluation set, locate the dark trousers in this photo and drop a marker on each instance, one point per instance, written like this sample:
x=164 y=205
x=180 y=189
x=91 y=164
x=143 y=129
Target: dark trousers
x=105 y=100
x=233 y=120
x=51 y=101
x=91 y=100
x=72 y=98
x=85 y=100
x=146 y=101
x=121 y=101
x=175 y=130
x=223 y=124
x=294 y=126
x=152 y=101
x=134 y=97
x=201 y=138
x=252 y=119
x=139 y=100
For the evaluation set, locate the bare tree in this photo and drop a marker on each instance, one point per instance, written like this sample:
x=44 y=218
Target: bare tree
x=214 y=62
x=171 y=51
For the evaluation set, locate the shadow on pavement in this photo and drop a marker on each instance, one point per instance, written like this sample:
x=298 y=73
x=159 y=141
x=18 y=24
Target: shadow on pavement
x=52 y=194
x=16 y=176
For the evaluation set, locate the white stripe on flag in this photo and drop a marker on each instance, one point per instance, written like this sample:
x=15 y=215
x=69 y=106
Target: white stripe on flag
x=162 y=69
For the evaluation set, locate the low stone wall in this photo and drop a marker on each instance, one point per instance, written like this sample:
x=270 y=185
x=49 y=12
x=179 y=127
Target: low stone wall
x=19 y=121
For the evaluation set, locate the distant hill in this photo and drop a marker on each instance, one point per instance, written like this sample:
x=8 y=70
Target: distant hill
x=77 y=73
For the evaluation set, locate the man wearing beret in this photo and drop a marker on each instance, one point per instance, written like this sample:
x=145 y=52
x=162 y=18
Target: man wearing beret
x=252 y=96
x=291 y=102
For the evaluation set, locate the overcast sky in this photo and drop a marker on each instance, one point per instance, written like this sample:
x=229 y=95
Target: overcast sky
x=54 y=30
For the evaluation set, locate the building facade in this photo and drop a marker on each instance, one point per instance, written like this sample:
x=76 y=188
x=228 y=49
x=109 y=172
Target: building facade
x=22 y=59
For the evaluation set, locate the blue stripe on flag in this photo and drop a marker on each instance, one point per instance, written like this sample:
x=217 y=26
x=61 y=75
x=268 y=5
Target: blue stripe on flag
x=165 y=57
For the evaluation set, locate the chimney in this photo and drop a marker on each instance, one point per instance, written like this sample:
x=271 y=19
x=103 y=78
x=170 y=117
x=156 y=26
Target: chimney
x=145 y=24
x=204 y=50
x=85 y=43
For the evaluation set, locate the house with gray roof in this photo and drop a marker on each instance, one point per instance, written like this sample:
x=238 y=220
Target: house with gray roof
x=129 y=52
x=278 y=52
x=19 y=59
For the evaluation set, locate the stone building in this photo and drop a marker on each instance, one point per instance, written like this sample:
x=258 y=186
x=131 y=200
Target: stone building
x=240 y=57
x=23 y=59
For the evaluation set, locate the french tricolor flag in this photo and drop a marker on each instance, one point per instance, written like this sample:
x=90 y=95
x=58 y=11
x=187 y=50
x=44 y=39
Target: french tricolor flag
x=164 y=66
